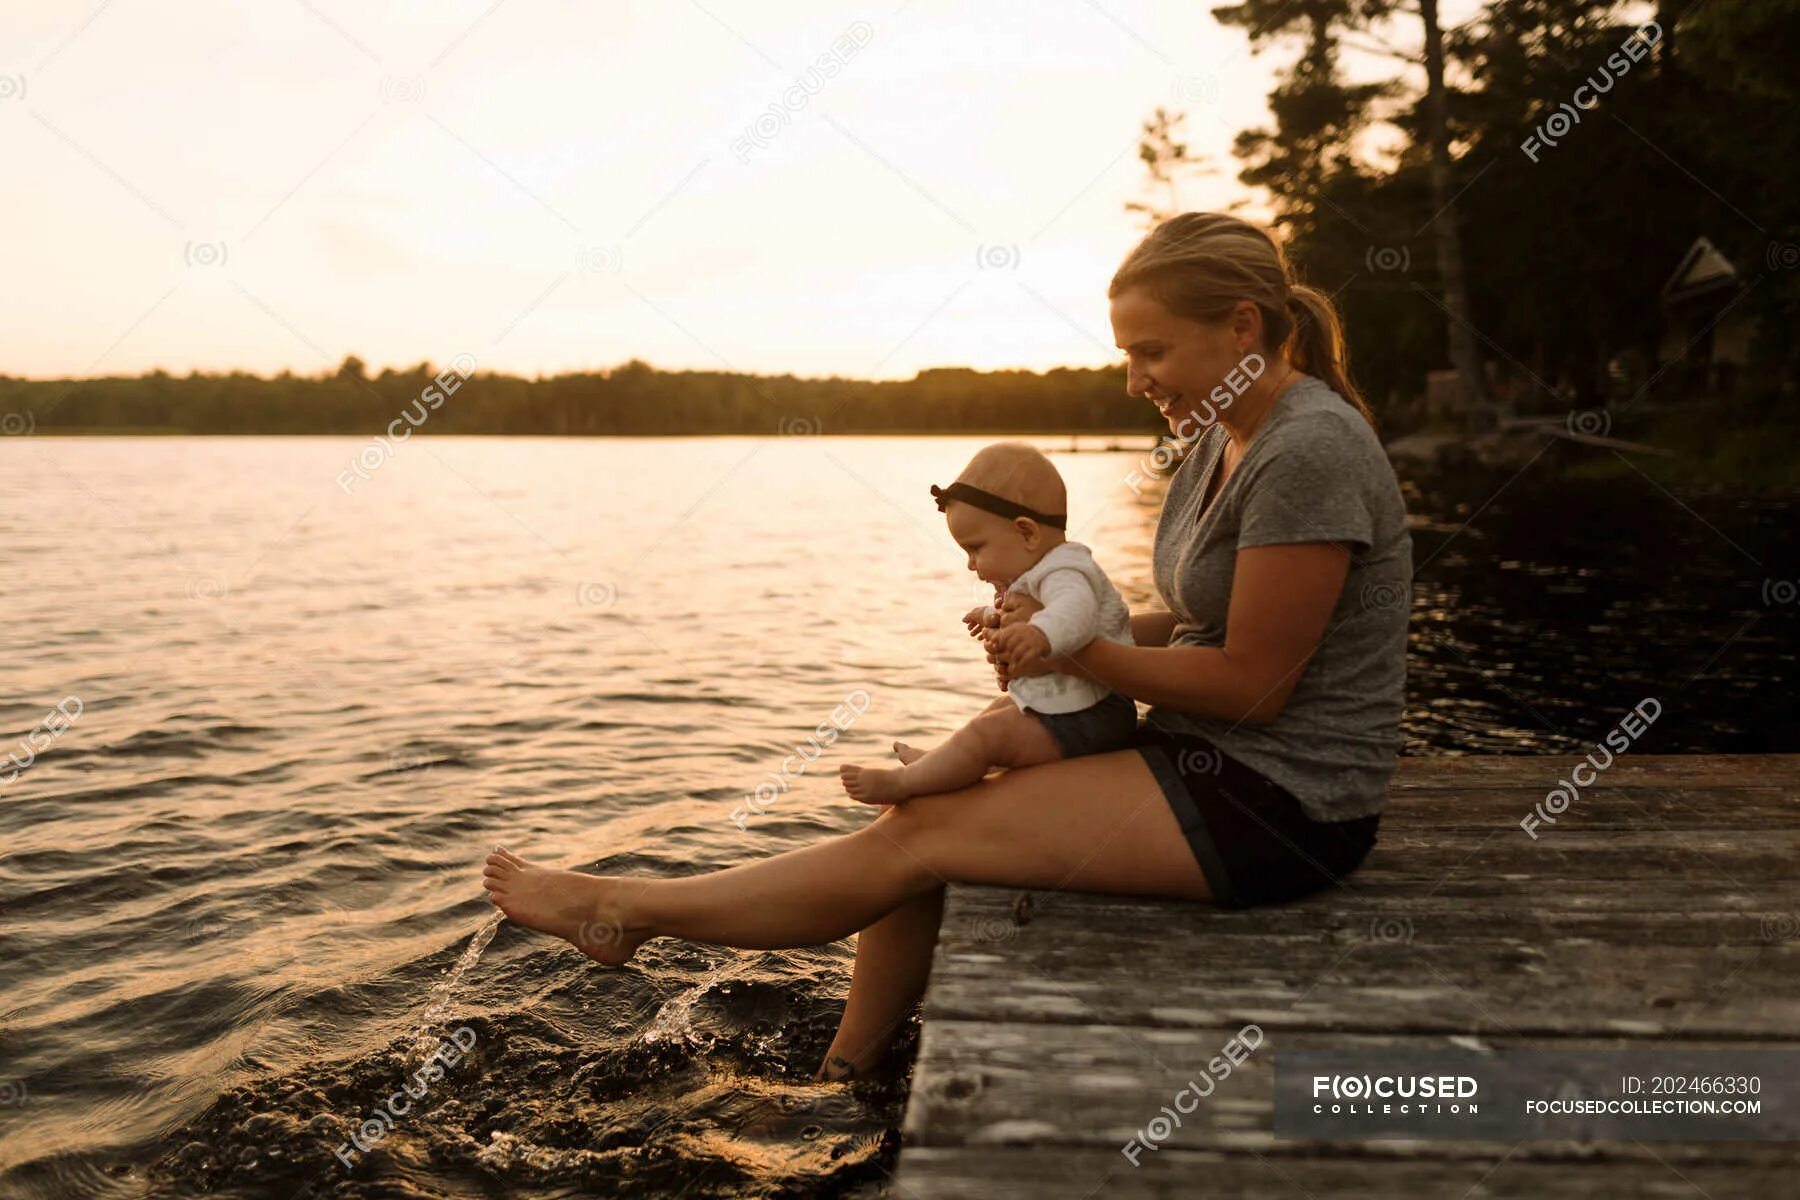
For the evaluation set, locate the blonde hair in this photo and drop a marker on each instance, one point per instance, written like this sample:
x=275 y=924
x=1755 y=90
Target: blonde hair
x=1198 y=265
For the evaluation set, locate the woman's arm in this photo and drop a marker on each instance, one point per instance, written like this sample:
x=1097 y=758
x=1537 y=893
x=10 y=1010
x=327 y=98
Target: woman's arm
x=1152 y=628
x=1282 y=596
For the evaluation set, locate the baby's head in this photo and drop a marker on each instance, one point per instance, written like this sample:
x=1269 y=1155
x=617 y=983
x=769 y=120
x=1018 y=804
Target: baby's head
x=1032 y=505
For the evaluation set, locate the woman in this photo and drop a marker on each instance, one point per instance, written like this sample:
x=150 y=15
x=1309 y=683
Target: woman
x=1274 y=679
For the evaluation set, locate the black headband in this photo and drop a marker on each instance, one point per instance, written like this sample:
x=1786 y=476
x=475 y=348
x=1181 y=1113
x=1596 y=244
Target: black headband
x=999 y=505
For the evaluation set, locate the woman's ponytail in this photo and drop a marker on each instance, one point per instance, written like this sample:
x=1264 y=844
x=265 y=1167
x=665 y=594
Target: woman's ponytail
x=1317 y=346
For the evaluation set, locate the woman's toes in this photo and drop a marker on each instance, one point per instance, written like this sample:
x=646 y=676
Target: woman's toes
x=498 y=876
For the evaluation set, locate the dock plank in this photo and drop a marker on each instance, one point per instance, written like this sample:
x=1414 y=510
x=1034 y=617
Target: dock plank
x=1098 y=1085
x=1088 y=960
x=1051 y=1171
x=1473 y=771
x=1621 y=806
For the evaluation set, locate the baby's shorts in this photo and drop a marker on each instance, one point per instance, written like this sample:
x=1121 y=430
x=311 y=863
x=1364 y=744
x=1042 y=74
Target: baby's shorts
x=1108 y=724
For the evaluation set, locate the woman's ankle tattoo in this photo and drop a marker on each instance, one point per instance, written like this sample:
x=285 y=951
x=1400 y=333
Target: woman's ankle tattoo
x=837 y=1067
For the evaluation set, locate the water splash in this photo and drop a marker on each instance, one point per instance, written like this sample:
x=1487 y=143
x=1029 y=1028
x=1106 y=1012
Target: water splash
x=505 y=1153
x=675 y=1018
x=422 y=1040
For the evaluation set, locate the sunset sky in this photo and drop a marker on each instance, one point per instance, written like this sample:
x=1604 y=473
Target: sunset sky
x=550 y=185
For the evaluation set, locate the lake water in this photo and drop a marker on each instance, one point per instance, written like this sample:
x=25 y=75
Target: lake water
x=239 y=886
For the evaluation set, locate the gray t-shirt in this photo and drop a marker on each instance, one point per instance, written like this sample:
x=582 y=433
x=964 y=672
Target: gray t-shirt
x=1313 y=472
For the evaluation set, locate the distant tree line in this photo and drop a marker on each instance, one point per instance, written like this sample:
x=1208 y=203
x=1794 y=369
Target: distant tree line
x=631 y=399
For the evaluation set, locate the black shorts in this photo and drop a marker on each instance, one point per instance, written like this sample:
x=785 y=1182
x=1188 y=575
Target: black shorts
x=1108 y=724
x=1254 y=843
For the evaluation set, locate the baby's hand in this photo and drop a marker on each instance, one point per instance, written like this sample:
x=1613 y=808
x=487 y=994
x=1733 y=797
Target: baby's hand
x=1019 y=646
x=977 y=619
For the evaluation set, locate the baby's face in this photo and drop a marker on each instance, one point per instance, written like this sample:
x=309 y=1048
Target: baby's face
x=999 y=550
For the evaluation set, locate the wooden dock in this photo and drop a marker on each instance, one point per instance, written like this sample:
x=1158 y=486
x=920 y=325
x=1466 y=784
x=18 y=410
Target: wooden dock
x=1661 y=909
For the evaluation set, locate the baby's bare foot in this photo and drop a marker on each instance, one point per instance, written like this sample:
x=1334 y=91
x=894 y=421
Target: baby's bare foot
x=908 y=755
x=587 y=911
x=872 y=785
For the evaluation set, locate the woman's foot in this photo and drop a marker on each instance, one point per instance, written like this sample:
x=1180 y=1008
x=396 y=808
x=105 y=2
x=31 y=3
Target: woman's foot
x=908 y=755
x=586 y=911
x=835 y=1069
x=873 y=785
x=876 y=1062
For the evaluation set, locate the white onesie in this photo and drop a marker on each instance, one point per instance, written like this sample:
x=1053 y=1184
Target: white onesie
x=1080 y=604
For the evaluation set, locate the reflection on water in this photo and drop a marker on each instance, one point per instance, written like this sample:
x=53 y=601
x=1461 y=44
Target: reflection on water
x=1545 y=608
x=235 y=888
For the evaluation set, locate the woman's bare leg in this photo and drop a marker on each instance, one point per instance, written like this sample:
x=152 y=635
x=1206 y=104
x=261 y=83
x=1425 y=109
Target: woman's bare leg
x=893 y=961
x=1095 y=824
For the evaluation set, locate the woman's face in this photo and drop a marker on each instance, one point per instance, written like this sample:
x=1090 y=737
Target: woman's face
x=1176 y=362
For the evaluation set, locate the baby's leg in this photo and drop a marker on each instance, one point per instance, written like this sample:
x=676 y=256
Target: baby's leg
x=999 y=737
x=909 y=754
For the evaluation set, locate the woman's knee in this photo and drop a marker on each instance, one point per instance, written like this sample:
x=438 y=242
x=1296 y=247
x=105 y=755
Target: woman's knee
x=916 y=822
x=945 y=827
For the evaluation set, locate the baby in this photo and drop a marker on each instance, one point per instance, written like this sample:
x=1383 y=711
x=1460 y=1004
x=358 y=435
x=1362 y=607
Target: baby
x=1007 y=511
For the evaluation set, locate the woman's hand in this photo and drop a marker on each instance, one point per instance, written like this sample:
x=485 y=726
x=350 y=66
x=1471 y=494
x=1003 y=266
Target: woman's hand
x=1001 y=675
x=1019 y=648
x=1018 y=610
x=1004 y=648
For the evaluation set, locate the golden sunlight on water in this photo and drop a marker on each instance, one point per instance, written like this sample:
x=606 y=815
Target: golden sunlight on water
x=305 y=711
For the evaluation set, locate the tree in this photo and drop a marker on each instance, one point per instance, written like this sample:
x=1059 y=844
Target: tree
x=1319 y=116
x=1465 y=355
x=1165 y=158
